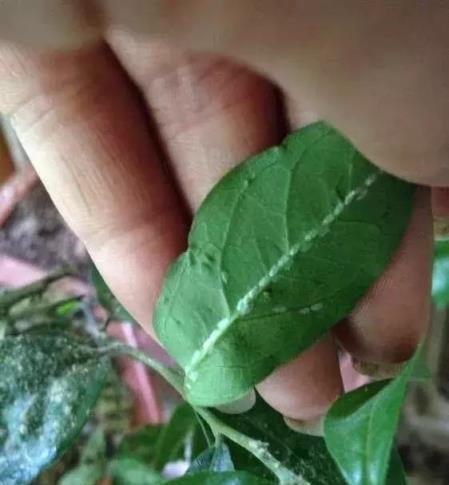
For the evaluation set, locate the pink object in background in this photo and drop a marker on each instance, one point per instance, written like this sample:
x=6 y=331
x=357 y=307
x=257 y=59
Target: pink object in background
x=14 y=190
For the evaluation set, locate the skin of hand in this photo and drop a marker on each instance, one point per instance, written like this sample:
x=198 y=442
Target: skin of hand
x=131 y=111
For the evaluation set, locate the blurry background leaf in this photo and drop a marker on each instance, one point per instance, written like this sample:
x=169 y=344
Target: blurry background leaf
x=140 y=444
x=173 y=438
x=440 y=278
x=84 y=475
x=214 y=459
x=227 y=478
x=126 y=471
x=49 y=386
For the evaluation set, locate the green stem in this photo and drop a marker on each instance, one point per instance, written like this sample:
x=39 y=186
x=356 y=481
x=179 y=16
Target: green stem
x=11 y=297
x=32 y=311
x=257 y=448
x=172 y=376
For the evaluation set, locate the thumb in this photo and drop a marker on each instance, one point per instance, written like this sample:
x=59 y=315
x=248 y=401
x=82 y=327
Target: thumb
x=378 y=71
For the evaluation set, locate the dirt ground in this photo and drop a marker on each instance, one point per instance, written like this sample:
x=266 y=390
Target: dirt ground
x=37 y=234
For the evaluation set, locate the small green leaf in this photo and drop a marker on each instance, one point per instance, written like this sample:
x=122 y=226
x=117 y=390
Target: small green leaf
x=227 y=478
x=49 y=386
x=282 y=248
x=126 y=471
x=366 y=420
x=440 y=278
x=304 y=455
x=173 y=437
x=107 y=299
x=214 y=459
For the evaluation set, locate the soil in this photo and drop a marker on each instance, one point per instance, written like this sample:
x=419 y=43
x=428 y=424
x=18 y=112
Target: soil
x=36 y=233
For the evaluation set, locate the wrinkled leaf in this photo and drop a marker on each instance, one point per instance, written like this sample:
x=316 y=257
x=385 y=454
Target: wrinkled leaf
x=126 y=471
x=281 y=249
x=173 y=437
x=304 y=455
x=440 y=277
x=214 y=459
x=227 y=478
x=366 y=420
x=49 y=385
x=107 y=299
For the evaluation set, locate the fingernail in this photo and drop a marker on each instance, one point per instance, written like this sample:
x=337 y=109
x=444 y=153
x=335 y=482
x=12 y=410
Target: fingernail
x=313 y=427
x=377 y=371
x=441 y=227
x=240 y=406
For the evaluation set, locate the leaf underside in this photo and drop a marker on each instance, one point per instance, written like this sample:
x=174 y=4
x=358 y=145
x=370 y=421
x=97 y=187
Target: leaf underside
x=281 y=249
x=48 y=388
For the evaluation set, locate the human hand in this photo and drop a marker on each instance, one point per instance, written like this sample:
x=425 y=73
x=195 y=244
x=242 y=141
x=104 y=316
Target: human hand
x=129 y=127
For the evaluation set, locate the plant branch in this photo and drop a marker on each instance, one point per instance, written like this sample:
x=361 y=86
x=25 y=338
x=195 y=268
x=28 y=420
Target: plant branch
x=171 y=375
x=10 y=297
x=257 y=448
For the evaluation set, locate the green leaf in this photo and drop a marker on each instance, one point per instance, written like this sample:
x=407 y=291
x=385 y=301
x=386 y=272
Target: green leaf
x=201 y=438
x=396 y=473
x=228 y=478
x=107 y=299
x=141 y=444
x=214 y=459
x=126 y=471
x=49 y=386
x=94 y=451
x=83 y=475
x=281 y=249
x=366 y=420
x=303 y=454
x=173 y=437
x=440 y=277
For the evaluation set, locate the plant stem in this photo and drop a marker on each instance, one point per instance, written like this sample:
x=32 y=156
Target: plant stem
x=169 y=374
x=257 y=448
x=11 y=297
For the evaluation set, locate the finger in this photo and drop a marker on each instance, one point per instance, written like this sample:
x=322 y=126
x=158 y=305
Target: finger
x=82 y=126
x=358 y=55
x=210 y=113
x=304 y=388
x=388 y=324
x=344 y=63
